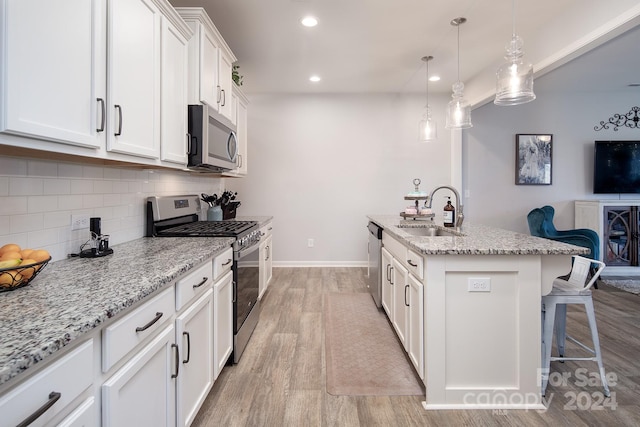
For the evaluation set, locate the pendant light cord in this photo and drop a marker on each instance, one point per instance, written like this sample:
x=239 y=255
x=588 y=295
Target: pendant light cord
x=513 y=17
x=427 y=83
x=458 y=25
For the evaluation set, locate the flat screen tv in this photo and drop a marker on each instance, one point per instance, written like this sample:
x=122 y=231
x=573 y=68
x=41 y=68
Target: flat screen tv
x=616 y=167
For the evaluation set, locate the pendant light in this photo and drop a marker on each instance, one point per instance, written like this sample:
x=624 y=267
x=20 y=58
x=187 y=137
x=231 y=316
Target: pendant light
x=458 y=109
x=514 y=78
x=427 y=127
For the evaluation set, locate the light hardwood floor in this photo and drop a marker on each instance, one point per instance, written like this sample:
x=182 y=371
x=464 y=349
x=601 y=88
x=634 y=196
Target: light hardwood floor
x=280 y=380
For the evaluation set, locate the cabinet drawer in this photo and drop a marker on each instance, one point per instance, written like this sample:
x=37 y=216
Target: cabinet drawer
x=266 y=230
x=415 y=264
x=194 y=284
x=121 y=337
x=69 y=377
x=397 y=249
x=222 y=263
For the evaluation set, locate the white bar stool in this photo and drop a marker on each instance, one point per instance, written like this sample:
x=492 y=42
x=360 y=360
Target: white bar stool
x=575 y=290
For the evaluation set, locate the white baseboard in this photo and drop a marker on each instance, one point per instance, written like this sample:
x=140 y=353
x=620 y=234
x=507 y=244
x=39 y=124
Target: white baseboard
x=320 y=264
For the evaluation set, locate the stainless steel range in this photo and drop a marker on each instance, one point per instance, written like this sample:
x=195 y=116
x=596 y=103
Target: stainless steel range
x=177 y=216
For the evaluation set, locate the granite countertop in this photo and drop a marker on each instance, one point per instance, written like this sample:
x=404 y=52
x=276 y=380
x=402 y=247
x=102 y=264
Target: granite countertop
x=475 y=239
x=71 y=297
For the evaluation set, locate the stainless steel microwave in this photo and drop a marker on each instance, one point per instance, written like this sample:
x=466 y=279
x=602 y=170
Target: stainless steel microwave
x=213 y=146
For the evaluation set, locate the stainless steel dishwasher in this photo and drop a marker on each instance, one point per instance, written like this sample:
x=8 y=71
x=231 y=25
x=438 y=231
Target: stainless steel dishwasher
x=374 y=278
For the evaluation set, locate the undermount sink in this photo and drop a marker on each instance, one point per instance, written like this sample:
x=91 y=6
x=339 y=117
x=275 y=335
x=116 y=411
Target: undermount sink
x=429 y=231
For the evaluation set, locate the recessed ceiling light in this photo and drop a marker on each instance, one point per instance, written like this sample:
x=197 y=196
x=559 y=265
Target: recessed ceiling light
x=314 y=79
x=309 y=21
x=434 y=78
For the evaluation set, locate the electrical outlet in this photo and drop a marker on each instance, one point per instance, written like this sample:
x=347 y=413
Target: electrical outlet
x=467 y=194
x=479 y=284
x=79 y=222
x=310 y=243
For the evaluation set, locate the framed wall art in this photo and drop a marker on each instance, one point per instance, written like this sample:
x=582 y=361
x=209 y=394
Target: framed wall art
x=533 y=159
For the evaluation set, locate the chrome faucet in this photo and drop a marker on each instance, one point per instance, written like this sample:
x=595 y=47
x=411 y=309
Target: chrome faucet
x=459 y=214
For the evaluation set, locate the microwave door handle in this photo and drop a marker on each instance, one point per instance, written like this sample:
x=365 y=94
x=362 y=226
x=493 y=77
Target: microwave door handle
x=232 y=141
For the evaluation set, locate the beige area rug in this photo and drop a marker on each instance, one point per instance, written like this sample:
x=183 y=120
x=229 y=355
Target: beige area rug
x=624 y=283
x=363 y=355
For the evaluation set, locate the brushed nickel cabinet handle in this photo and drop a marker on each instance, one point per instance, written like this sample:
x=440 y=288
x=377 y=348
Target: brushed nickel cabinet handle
x=188 y=347
x=104 y=114
x=411 y=263
x=148 y=325
x=391 y=275
x=177 y=361
x=405 y=295
x=204 y=280
x=54 y=396
x=119 y=108
x=228 y=262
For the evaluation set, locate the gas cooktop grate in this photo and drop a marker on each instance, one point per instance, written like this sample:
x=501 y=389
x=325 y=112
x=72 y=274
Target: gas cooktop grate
x=210 y=229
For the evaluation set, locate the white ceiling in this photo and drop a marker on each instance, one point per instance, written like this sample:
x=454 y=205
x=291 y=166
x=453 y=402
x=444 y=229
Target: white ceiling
x=366 y=46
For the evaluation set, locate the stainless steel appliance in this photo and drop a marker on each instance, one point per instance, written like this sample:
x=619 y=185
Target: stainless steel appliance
x=177 y=216
x=374 y=279
x=213 y=146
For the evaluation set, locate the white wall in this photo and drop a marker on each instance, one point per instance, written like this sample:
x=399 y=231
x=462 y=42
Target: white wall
x=38 y=197
x=489 y=155
x=320 y=163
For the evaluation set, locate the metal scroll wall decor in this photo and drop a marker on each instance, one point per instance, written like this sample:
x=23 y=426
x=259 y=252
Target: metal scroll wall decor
x=630 y=120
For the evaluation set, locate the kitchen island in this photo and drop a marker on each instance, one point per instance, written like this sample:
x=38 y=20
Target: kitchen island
x=478 y=335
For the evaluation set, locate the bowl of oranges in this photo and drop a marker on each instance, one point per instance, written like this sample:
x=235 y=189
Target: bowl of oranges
x=20 y=266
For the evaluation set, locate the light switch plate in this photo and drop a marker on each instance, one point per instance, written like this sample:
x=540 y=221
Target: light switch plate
x=479 y=284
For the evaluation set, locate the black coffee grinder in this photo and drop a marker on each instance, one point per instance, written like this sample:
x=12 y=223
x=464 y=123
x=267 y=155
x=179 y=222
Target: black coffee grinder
x=99 y=242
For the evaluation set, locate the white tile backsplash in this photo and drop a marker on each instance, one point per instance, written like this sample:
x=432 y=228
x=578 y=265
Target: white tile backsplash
x=38 y=197
x=22 y=186
x=57 y=186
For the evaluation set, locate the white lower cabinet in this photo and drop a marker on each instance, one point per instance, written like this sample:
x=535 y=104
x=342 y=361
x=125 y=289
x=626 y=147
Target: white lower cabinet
x=142 y=392
x=265 y=259
x=400 y=301
x=47 y=394
x=403 y=297
x=194 y=335
x=222 y=322
x=387 y=286
x=416 y=325
x=83 y=416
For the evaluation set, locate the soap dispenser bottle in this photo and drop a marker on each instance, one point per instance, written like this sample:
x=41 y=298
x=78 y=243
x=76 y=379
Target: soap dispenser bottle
x=449 y=214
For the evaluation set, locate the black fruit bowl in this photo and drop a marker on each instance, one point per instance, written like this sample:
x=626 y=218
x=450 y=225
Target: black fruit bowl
x=18 y=277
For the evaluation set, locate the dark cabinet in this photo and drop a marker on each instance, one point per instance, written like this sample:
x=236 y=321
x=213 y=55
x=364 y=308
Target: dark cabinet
x=620 y=240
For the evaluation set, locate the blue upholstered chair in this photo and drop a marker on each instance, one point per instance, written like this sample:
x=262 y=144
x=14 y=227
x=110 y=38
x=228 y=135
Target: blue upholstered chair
x=541 y=225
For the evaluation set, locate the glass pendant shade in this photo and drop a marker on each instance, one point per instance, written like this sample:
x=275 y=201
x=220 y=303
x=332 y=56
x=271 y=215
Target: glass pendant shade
x=514 y=78
x=458 y=109
x=427 y=127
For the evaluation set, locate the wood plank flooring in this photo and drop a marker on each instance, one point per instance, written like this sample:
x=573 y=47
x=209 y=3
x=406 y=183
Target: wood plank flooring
x=280 y=380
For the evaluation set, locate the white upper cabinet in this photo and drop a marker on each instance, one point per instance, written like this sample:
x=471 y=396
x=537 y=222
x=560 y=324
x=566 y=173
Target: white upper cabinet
x=225 y=67
x=52 y=70
x=210 y=64
x=173 y=135
x=109 y=76
x=241 y=103
x=134 y=77
x=208 y=54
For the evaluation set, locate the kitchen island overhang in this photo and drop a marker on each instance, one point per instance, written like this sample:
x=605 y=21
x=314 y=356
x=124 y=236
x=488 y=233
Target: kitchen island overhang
x=482 y=348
